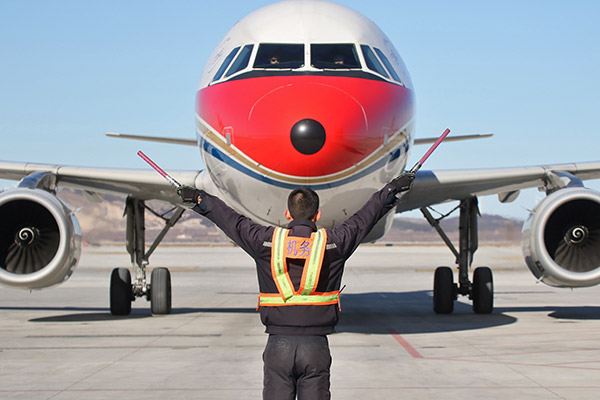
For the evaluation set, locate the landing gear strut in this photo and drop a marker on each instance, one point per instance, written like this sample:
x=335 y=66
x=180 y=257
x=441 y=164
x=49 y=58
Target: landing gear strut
x=122 y=290
x=445 y=291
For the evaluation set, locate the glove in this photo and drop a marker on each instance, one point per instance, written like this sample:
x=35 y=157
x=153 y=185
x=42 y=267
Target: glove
x=188 y=194
x=403 y=182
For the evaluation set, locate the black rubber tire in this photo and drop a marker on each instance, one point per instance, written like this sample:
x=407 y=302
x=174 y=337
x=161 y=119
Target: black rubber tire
x=120 y=292
x=443 y=291
x=483 y=291
x=160 y=291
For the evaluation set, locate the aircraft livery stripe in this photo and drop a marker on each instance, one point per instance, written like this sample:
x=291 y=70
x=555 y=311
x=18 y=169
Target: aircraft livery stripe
x=395 y=147
x=216 y=153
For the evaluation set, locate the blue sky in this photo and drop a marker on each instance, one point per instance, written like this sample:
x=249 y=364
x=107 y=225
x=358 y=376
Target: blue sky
x=525 y=70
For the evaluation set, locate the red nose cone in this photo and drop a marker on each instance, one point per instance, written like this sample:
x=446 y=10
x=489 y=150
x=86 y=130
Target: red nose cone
x=341 y=122
x=305 y=126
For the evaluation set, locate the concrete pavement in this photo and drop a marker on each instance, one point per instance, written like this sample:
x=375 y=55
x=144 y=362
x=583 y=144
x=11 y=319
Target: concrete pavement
x=62 y=343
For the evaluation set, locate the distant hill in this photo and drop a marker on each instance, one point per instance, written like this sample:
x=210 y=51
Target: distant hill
x=104 y=222
x=492 y=228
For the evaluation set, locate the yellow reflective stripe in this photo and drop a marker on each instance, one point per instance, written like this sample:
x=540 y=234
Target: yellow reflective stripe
x=266 y=299
x=278 y=265
x=313 y=269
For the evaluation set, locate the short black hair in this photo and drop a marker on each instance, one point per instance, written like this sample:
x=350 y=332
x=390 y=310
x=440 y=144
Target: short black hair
x=303 y=203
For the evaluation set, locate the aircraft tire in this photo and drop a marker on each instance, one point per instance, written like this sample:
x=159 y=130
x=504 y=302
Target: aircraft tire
x=120 y=292
x=483 y=290
x=160 y=291
x=443 y=291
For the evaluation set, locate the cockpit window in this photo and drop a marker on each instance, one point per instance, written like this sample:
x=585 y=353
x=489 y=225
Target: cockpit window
x=280 y=56
x=225 y=64
x=372 y=62
x=388 y=64
x=334 y=56
x=241 y=61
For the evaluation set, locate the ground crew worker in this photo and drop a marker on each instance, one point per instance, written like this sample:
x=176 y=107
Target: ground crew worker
x=299 y=274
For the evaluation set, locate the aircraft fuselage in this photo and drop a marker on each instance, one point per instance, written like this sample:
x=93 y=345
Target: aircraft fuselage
x=290 y=100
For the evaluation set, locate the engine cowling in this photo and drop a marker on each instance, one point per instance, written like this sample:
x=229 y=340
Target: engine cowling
x=40 y=239
x=561 y=238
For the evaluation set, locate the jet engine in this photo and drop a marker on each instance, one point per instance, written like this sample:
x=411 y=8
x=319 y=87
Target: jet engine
x=40 y=239
x=561 y=238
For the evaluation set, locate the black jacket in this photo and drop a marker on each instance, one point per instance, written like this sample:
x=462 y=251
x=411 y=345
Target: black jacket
x=256 y=239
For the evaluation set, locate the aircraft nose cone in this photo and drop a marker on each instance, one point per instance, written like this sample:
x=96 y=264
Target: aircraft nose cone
x=308 y=136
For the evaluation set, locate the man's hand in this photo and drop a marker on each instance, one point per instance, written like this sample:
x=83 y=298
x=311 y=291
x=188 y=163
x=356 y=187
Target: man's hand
x=403 y=182
x=188 y=194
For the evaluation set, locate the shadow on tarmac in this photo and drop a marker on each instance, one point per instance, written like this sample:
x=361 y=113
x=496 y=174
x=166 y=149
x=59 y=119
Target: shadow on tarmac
x=567 y=313
x=86 y=314
x=409 y=312
x=368 y=313
x=412 y=312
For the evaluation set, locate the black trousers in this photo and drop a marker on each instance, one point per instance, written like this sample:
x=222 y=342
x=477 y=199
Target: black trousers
x=296 y=365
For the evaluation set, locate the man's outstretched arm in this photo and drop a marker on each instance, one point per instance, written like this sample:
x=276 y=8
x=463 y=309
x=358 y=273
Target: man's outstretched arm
x=239 y=228
x=351 y=232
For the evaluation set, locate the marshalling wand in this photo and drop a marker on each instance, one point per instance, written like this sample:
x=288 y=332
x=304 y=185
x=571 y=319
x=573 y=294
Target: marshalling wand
x=434 y=146
x=158 y=169
x=419 y=164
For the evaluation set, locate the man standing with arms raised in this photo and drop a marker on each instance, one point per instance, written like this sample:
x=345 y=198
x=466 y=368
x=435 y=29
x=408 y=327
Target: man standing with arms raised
x=299 y=274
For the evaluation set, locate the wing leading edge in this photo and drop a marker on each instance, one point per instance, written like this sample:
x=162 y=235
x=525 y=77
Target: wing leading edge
x=434 y=187
x=142 y=184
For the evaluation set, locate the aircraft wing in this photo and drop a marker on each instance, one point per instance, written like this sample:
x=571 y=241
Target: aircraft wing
x=430 y=187
x=142 y=184
x=434 y=187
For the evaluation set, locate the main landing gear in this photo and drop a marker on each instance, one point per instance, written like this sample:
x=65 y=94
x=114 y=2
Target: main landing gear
x=122 y=290
x=445 y=290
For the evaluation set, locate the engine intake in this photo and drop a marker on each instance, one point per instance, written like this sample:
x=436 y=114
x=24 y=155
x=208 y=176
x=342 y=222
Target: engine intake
x=561 y=238
x=40 y=239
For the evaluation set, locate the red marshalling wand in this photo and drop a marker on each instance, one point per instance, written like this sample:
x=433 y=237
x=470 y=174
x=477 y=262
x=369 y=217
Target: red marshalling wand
x=419 y=164
x=158 y=169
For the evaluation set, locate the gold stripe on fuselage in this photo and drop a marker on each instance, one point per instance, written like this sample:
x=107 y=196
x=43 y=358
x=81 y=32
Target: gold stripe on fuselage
x=217 y=140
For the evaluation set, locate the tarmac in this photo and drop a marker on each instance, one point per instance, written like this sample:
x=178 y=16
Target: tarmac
x=62 y=343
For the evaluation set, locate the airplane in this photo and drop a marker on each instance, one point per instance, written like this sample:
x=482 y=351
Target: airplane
x=300 y=93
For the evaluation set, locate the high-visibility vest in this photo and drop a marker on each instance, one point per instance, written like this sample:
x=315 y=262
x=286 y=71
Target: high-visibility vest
x=312 y=250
